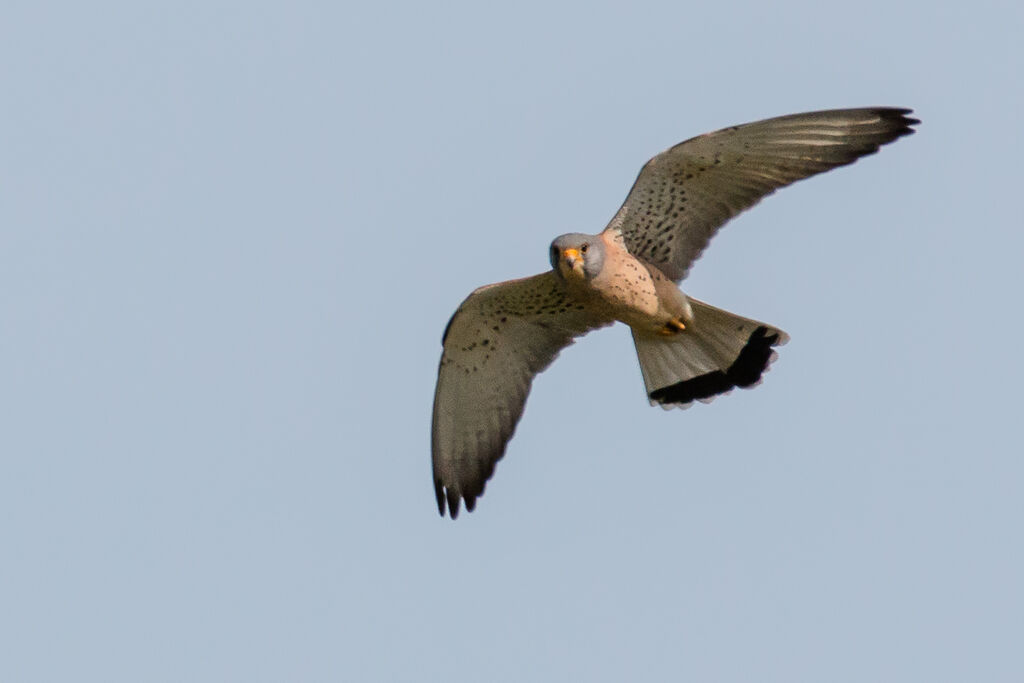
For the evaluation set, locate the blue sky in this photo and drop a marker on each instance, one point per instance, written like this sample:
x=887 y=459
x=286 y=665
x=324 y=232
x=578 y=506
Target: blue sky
x=231 y=235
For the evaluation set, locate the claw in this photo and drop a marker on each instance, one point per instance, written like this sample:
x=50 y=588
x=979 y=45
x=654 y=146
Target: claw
x=672 y=327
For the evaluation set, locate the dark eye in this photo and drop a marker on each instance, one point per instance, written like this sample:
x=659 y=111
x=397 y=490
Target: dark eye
x=583 y=249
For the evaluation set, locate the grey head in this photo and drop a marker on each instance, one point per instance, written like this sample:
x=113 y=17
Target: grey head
x=576 y=255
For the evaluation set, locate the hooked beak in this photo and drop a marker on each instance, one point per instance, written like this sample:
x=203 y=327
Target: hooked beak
x=572 y=257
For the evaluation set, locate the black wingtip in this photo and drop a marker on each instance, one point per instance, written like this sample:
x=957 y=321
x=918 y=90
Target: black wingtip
x=453 y=504
x=745 y=371
x=447 y=500
x=900 y=117
x=439 y=494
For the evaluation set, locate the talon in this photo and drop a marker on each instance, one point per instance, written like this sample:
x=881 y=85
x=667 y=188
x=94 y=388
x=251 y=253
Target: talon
x=674 y=327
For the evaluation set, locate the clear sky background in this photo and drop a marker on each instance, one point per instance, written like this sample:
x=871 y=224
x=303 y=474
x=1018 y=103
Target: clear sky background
x=231 y=235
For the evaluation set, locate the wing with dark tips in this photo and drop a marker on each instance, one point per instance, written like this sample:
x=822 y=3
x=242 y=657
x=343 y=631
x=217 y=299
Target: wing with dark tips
x=685 y=194
x=498 y=340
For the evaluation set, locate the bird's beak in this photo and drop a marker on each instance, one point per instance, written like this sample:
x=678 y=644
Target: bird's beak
x=572 y=257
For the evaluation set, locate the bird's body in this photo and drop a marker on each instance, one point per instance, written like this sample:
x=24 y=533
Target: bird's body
x=625 y=289
x=504 y=334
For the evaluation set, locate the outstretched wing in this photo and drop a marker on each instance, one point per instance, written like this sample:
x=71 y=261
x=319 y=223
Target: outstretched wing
x=686 y=193
x=499 y=338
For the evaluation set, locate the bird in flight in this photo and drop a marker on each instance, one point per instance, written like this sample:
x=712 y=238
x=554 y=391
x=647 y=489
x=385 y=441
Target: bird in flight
x=505 y=333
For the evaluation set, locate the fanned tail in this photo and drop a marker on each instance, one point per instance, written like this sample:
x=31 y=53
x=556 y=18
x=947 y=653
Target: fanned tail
x=715 y=353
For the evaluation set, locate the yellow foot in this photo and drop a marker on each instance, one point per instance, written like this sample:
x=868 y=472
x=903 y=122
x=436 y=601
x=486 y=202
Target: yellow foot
x=672 y=327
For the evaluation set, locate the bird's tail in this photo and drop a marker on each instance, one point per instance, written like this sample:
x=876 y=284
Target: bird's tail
x=716 y=352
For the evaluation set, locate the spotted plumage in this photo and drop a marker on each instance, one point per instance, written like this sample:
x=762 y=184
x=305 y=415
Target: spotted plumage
x=504 y=334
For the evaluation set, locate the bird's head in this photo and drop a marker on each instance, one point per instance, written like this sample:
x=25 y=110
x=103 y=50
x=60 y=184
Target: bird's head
x=577 y=256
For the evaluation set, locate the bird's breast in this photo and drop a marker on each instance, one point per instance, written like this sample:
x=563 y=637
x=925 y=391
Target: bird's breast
x=626 y=291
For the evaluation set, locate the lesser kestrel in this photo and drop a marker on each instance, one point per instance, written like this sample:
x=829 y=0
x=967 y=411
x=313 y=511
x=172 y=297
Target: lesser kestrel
x=504 y=334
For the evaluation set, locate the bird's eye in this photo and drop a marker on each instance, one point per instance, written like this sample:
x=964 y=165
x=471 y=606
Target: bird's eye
x=583 y=249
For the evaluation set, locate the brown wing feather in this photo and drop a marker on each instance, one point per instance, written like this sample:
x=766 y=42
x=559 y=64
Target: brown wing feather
x=685 y=194
x=498 y=340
